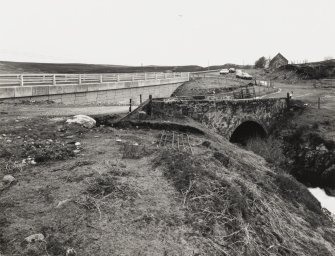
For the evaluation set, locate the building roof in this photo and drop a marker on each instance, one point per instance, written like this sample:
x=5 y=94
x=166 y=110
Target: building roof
x=278 y=56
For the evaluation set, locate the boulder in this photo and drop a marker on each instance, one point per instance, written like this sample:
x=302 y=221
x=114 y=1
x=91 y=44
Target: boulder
x=34 y=238
x=8 y=179
x=85 y=121
x=70 y=252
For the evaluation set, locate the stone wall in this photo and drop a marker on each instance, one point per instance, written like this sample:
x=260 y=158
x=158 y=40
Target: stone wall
x=223 y=116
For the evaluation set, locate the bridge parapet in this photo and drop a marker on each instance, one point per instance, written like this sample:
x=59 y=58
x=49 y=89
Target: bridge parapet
x=89 y=88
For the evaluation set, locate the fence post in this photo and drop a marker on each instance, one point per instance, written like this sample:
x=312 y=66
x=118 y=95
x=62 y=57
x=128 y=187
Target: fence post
x=150 y=105
x=288 y=99
x=54 y=79
x=21 y=80
x=79 y=79
x=101 y=79
x=319 y=103
x=129 y=105
x=140 y=98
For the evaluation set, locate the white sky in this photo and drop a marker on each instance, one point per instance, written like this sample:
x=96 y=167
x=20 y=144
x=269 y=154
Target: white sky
x=171 y=32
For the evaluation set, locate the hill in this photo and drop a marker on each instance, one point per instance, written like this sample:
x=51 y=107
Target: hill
x=30 y=67
x=7 y=67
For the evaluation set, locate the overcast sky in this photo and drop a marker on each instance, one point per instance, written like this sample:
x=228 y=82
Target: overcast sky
x=173 y=32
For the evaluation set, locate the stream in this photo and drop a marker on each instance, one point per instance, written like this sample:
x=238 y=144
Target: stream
x=326 y=201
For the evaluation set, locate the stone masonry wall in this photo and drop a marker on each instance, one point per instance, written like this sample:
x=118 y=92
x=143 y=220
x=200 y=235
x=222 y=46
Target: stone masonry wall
x=223 y=116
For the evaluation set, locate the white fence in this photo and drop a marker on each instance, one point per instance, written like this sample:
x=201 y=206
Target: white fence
x=75 y=79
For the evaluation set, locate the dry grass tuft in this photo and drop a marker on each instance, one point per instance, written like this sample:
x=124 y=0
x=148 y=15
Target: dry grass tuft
x=102 y=187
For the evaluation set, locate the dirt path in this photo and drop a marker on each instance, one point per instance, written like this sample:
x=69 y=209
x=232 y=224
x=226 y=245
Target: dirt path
x=58 y=110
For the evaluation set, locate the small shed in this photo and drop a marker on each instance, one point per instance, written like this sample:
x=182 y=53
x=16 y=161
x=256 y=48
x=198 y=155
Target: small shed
x=278 y=61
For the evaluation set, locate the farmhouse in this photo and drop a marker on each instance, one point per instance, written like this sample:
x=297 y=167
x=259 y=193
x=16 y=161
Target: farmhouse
x=277 y=61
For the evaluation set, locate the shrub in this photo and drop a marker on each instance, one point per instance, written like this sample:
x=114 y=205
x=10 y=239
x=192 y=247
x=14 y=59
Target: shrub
x=270 y=149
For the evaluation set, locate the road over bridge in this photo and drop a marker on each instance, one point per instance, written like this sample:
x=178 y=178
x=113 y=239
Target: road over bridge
x=81 y=89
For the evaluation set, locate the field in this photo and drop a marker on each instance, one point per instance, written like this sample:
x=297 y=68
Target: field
x=76 y=68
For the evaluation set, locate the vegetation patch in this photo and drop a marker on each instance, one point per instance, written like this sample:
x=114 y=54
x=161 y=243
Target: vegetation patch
x=270 y=149
x=233 y=216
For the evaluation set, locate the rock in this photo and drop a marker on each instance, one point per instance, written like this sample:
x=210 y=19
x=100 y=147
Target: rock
x=8 y=179
x=142 y=115
x=61 y=203
x=83 y=120
x=321 y=147
x=122 y=165
x=77 y=144
x=330 y=191
x=206 y=143
x=70 y=252
x=34 y=238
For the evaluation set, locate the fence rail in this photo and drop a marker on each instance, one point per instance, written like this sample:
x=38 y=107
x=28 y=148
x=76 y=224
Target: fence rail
x=75 y=79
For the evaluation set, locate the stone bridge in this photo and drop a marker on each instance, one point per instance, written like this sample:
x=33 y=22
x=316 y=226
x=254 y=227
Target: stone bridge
x=236 y=120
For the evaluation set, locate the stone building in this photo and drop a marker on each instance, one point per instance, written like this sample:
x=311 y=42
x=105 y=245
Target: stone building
x=278 y=61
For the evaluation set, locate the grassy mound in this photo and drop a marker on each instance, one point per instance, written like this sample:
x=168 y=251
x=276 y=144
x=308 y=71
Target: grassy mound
x=241 y=208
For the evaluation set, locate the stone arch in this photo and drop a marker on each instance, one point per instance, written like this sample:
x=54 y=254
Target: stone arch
x=247 y=128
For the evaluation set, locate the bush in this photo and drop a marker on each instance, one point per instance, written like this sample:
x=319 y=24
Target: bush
x=260 y=63
x=270 y=149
